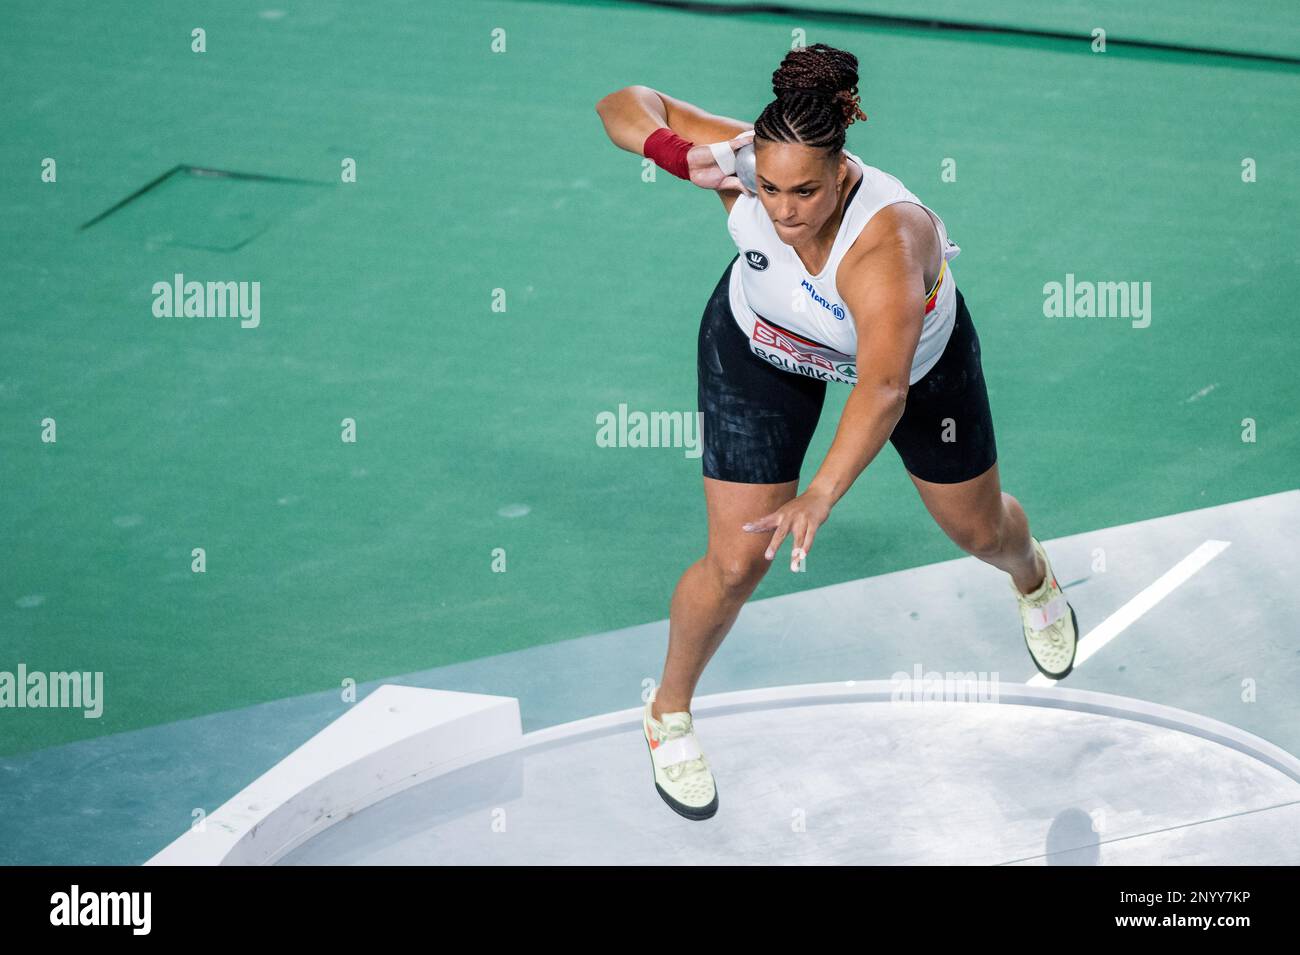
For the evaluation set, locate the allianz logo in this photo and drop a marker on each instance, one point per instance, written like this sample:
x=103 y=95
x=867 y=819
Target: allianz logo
x=836 y=310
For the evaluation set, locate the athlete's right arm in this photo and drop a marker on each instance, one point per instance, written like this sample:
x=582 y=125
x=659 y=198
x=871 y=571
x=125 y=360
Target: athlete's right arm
x=634 y=112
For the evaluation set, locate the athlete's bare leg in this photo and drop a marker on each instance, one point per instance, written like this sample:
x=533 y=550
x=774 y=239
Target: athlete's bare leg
x=711 y=592
x=983 y=520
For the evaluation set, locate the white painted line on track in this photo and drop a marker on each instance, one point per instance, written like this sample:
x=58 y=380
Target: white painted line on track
x=1125 y=616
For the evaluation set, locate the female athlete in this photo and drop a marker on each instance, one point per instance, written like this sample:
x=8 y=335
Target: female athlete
x=841 y=275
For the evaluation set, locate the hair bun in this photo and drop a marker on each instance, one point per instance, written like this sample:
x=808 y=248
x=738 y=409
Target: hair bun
x=824 y=72
x=850 y=102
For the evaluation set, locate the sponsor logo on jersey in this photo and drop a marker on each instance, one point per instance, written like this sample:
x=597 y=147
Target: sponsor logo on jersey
x=836 y=310
x=811 y=371
x=765 y=334
x=756 y=259
x=792 y=353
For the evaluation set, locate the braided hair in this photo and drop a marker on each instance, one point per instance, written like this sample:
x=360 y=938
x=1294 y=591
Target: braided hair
x=816 y=91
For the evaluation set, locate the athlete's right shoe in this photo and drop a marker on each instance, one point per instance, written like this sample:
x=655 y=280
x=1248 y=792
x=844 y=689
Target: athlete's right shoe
x=681 y=773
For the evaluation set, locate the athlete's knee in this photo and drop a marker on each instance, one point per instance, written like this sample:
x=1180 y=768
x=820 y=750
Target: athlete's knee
x=737 y=574
x=979 y=540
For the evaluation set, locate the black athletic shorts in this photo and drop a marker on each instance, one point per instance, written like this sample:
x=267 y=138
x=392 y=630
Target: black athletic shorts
x=759 y=419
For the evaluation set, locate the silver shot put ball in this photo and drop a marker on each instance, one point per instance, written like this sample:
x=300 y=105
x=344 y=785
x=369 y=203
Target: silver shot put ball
x=745 y=167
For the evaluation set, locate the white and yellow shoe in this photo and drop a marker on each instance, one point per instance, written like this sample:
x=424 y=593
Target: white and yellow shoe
x=681 y=773
x=1051 y=628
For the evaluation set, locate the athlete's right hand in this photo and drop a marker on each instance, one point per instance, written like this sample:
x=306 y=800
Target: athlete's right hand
x=707 y=174
x=798 y=517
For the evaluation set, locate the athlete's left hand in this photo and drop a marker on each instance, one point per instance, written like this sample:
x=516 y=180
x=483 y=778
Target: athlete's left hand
x=799 y=517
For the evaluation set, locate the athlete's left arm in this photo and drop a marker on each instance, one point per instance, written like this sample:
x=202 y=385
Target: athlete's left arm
x=885 y=293
x=883 y=286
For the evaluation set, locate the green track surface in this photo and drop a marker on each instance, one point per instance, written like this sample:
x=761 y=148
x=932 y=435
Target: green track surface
x=479 y=171
x=1262 y=26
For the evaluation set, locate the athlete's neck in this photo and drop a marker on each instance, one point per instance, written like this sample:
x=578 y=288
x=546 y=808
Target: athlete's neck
x=818 y=248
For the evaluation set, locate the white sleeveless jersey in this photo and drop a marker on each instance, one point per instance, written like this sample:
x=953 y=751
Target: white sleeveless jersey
x=798 y=321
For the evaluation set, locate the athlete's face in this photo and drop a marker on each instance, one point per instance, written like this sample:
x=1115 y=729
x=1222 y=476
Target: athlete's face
x=799 y=187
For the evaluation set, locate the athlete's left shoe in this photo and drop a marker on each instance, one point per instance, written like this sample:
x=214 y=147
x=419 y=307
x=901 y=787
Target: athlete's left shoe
x=1051 y=629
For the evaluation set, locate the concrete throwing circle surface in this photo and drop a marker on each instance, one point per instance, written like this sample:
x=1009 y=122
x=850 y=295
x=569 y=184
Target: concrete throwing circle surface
x=850 y=783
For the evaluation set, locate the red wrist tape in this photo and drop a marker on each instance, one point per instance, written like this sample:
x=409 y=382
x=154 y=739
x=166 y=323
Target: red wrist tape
x=668 y=150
